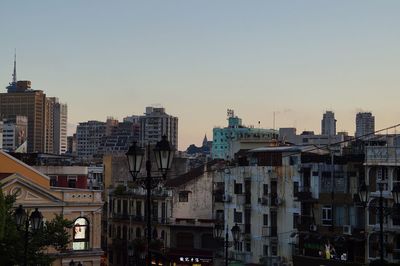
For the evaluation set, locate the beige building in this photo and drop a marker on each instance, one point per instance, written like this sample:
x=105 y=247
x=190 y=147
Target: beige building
x=82 y=206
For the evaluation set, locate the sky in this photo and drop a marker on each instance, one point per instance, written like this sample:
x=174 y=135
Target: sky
x=199 y=58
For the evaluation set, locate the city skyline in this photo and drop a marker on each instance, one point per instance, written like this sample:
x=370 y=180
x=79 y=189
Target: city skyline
x=297 y=59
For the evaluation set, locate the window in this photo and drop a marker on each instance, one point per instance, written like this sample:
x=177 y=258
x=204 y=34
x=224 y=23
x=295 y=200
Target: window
x=265 y=189
x=138 y=232
x=72 y=181
x=138 y=209
x=327 y=215
x=295 y=220
x=81 y=234
x=220 y=215
x=265 y=250
x=53 y=180
x=183 y=196
x=247 y=246
x=295 y=187
x=237 y=217
x=265 y=219
x=238 y=188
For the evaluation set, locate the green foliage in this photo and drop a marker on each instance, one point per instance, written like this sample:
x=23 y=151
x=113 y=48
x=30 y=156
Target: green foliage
x=2 y=214
x=12 y=245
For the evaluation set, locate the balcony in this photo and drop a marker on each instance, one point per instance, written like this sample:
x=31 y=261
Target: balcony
x=382 y=155
x=304 y=195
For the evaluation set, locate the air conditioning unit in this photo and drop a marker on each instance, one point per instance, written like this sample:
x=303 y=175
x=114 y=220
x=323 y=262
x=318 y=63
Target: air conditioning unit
x=347 y=229
x=313 y=227
x=227 y=198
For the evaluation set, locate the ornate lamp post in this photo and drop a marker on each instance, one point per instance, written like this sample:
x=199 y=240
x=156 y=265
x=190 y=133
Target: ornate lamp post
x=235 y=230
x=363 y=193
x=21 y=219
x=164 y=155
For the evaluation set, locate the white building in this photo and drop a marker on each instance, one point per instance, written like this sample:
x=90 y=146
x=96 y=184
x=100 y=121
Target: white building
x=328 y=124
x=383 y=169
x=14 y=132
x=60 y=127
x=155 y=123
x=365 y=124
x=259 y=199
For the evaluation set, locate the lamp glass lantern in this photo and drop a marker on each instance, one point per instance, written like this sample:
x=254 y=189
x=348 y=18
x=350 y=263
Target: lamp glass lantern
x=135 y=156
x=20 y=216
x=164 y=155
x=236 y=233
x=36 y=219
x=363 y=193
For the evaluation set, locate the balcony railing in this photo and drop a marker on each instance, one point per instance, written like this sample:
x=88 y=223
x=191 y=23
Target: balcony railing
x=379 y=154
x=304 y=194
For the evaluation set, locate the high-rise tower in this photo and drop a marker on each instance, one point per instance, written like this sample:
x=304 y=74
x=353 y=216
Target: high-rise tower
x=328 y=124
x=365 y=124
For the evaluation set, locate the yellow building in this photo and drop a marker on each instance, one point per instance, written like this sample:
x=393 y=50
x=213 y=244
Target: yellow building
x=82 y=206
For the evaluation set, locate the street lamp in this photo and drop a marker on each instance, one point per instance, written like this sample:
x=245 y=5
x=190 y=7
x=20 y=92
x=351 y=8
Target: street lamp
x=21 y=219
x=363 y=193
x=235 y=230
x=163 y=154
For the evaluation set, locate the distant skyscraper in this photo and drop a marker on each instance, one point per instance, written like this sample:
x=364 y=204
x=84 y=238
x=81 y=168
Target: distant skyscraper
x=21 y=100
x=155 y=123
x=29 y=103
x=88 y=136
x=328 y=124
x=60 y=120
x=365 y=124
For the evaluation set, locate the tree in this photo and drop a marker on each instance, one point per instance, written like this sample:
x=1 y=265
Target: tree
x=12 y=241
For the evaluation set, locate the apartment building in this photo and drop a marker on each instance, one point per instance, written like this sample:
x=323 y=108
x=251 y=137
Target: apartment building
x=227 y=141
x=155 y=123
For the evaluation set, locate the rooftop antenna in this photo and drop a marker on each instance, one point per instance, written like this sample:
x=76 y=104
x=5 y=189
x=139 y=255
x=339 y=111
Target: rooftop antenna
x=273 y=123
x=15 y=67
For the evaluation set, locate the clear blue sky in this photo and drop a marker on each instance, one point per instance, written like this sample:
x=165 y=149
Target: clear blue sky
x=198 y=58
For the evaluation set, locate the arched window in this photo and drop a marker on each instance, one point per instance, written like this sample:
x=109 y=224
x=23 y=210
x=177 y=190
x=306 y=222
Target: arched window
x=138 y=232
x=162 y=234
x=81 y=234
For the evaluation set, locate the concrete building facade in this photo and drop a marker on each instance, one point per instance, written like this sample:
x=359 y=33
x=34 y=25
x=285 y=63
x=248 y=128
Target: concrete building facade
x=155 y=123
x=88 y=137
